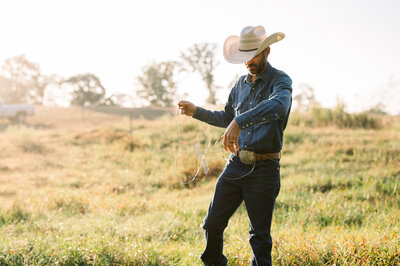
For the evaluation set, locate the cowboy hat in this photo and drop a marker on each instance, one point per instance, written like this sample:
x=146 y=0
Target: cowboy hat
x=252 y=41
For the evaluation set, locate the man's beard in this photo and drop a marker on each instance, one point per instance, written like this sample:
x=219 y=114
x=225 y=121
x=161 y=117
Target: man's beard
x=255 y=69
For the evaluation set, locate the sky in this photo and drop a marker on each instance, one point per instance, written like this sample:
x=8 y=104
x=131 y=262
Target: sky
x=347 y=50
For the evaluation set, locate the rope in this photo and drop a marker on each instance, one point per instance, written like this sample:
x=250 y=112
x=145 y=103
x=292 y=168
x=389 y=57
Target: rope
x=202 y=157
x=251 y=170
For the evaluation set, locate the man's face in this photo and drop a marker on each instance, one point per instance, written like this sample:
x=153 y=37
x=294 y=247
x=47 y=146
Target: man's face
x=258 y=63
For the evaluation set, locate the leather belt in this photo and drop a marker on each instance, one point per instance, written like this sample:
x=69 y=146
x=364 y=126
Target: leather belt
x=250 y=157
x=267 y=156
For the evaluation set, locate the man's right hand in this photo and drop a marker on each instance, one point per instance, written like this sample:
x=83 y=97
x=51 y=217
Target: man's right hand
x=186 y=108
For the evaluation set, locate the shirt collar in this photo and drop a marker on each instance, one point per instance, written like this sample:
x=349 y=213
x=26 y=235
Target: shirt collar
x=263 y=76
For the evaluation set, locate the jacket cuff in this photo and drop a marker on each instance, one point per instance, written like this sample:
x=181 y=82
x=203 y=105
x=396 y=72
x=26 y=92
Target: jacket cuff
x=242 y=122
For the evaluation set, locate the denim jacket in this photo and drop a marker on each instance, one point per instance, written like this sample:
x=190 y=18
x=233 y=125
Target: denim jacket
x=261 y=109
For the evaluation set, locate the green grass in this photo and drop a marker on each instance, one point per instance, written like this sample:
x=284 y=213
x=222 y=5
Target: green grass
x=90 y=187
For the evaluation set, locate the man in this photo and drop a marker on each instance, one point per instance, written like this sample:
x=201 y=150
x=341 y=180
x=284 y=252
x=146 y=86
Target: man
x=255 y=117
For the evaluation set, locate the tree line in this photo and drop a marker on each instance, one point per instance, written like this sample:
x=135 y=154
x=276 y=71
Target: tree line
x=21 y=81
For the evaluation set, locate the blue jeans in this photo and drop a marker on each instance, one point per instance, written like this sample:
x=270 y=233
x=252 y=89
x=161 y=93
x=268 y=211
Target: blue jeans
x=258 y=190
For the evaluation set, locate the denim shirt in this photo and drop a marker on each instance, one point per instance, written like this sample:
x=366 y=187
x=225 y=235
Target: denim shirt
x=261 y=109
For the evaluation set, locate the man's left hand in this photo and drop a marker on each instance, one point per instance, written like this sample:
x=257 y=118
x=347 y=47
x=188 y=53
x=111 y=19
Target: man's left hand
x=231 y=137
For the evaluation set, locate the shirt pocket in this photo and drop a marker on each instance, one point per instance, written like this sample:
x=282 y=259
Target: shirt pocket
x=263 y=96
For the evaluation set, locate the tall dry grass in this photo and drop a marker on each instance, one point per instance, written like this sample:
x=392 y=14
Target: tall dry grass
x=82 y=187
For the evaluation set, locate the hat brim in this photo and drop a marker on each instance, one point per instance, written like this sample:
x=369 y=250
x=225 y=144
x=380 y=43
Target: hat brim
x=233 y=55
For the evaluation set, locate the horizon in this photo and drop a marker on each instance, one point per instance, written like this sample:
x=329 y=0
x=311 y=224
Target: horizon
x=340 y=49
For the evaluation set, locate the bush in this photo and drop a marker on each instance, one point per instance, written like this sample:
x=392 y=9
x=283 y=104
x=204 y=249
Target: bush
x=338 y=117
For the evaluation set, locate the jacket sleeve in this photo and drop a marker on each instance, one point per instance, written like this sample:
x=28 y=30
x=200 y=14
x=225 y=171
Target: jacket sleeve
x=275 y=107
x=216 y=118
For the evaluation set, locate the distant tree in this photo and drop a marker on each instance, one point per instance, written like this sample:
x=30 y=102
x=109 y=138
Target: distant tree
x=157 y=83
x=56 y=93
x=305 y=98
x=201 y=58
x=378 y=109
x=5 y=88
x=110 y=101
x=118 y=100
x=387 y=96
x=87 y=90
x=22 y=81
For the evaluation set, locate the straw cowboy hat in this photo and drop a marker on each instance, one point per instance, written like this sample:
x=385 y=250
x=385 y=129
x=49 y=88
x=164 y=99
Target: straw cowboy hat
x=252 y=41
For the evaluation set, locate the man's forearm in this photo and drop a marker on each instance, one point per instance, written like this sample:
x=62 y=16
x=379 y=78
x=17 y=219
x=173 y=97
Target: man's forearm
x=214 y=118
x=268 y=110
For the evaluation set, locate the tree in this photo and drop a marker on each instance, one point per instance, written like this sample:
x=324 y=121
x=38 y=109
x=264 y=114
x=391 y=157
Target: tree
x=118 y=100
x=157 y=83
x=388 y=96
x=56 y=92
x=201 y=58
x=87 y=90
x=5 y=88
x=305 y=99
x=22 y=81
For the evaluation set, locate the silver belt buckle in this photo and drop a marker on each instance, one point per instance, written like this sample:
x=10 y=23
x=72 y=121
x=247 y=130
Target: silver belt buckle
x=247 y=157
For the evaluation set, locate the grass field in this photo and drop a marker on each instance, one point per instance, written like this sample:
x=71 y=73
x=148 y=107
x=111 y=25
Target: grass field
x=91 y=186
